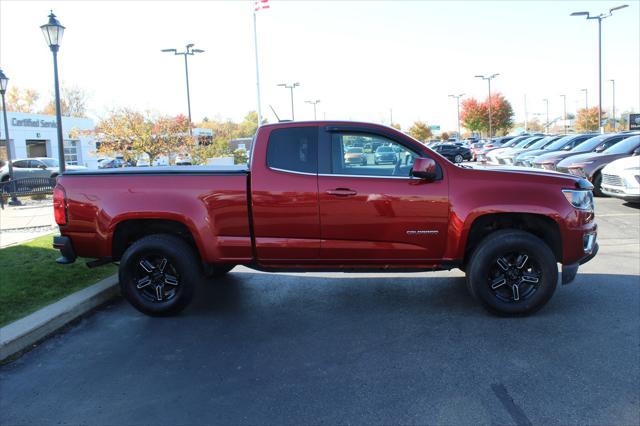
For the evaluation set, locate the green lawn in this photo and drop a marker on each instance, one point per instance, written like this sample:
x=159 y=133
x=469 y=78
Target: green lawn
x=30 y=278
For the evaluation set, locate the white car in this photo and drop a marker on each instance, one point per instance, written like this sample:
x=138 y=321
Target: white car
x=621 y=179
x=34 y=167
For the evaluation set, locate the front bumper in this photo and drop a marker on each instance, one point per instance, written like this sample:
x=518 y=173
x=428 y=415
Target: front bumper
x=63 y=244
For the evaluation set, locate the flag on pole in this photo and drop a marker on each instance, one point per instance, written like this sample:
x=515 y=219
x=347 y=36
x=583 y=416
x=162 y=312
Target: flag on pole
x=260 y=5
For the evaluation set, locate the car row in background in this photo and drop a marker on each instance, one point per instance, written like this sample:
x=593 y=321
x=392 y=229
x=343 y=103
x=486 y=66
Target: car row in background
x=38 y=167
x=589 y=155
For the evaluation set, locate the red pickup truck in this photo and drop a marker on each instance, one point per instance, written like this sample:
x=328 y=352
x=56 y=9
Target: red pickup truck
x=301 y=205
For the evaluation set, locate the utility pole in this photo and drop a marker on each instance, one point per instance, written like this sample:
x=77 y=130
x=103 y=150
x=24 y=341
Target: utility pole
x=600 y=17
x=564 y=102
x=526 y=115
x=489 y=78
x=546 y=101
x=613 y=102
x=290 y=87
x=457 y=98
x=314 y=103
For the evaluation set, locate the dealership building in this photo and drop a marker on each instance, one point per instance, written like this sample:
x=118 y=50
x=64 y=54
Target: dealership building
x=35 y=135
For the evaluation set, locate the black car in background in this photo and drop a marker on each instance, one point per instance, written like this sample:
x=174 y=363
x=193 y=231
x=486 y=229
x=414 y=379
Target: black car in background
x=453 y=152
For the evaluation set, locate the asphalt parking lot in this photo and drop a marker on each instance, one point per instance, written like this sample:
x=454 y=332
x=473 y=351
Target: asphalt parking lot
x=351 y=348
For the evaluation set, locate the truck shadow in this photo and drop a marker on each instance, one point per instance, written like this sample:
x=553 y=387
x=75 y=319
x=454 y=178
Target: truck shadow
x=242 y=293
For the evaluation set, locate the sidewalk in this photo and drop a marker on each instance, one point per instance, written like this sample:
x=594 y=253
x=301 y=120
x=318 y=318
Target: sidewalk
x=23 y=223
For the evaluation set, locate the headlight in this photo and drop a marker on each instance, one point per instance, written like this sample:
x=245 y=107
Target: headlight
x=577 y=171
x=580 y=199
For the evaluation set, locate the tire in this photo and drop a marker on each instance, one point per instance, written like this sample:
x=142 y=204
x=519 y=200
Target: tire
x=458 y=159
x=496 y=260
x=148 y=285
x=597 y=185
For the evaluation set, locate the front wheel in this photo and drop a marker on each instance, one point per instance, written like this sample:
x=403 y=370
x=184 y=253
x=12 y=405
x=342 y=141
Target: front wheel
x=158 y=274
x=458 y=159
x=597 y=185
x=512 y=273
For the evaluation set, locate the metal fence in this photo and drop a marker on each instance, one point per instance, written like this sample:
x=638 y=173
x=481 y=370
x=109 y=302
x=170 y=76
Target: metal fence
x=26 y=187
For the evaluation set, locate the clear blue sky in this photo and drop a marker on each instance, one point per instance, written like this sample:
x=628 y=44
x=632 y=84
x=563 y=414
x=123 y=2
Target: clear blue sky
x=359 y=58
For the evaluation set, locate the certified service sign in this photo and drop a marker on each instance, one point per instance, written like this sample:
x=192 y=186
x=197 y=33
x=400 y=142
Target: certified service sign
x=634 y=121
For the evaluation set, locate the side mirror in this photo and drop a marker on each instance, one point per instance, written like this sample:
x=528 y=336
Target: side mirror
x=424 y=168
x=42 y=166
x=600 y=148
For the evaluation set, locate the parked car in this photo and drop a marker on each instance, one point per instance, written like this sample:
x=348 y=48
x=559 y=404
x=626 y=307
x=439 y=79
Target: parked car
x=621 y=179
x=590 y=165
x=595 y=144
x=506 y=156
x=453 y=152
x=34 y=167
x=112 y=163
x=511 y=157
x=355 y=155
x=301 y=207
x=490 y=144
x=491 y=156
x=385 y=154
x=565 y=143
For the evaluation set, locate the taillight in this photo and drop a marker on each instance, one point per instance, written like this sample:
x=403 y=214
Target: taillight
x=60 y=205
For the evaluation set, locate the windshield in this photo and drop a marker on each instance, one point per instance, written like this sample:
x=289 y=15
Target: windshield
x=384 y=149
x=544 y=141
x=590 y=144
x=559 y=143
x=50 y=162
x=624 y=147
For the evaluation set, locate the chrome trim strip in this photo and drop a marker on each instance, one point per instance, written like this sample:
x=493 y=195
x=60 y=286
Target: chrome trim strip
x=368 y=176
x=292 y=171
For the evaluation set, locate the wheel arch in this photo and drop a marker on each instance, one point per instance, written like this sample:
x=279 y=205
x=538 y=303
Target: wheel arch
x=539 y=225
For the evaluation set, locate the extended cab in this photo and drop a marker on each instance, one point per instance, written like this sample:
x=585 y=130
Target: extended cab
x=300 y=205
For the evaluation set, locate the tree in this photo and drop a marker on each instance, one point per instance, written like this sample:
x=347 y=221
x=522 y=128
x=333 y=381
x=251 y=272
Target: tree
x=475 y=115
x=396 y=126
x=133 y=134
x=420 y=131
x=587 y=120
x=21 y=100
x=73 y=102
x=444 y=136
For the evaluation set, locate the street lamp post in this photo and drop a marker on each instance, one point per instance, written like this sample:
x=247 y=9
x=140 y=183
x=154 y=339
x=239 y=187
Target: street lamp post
x=489 y=78
x=564 y=117
x=290 y=87
x=600 y=17
x=586 y=98
x=314 y=103
x=4 y=80
x=613 y=104
x=457 y=98
x=53 y=32
x=189 y=51
x=546 y=101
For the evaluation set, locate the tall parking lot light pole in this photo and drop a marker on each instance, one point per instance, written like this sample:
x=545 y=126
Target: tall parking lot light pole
x=564 y=117
x=314 y=103
x=586 y=98
x=4 y=81
x=613 y=104
x=600 y=17
x=457 y=98
x=189 y=51
x=546 y=101
x=290 y=87
x=53 y=32
x=489 y=78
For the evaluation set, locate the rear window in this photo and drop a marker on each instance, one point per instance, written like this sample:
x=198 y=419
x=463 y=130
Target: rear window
x=294 y=149
x=354 y=151
x=384 y=149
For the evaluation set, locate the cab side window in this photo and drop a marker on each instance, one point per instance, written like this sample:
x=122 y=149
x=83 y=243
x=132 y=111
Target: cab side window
x=361 y=154
x=21 y=164
x=293 y=149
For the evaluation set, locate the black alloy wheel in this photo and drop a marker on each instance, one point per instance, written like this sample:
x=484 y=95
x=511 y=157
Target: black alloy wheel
x=514 y=277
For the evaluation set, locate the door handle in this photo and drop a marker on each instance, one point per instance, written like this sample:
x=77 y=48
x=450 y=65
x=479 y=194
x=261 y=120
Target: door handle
x=341 y=192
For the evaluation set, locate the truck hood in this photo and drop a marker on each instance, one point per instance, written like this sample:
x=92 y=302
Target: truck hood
x=527 y=171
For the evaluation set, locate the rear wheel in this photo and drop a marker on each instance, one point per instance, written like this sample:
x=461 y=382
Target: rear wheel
x=512 y=272
x=158 y=274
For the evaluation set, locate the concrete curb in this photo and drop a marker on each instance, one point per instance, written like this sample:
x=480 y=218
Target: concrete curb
x=21 y=334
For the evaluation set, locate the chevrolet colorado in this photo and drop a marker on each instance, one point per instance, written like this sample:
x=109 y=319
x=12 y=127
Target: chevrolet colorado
x=301 y=205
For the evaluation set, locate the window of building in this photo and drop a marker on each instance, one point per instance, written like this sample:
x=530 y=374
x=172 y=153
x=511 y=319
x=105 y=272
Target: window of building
x=294 y=149
x=71 y=152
